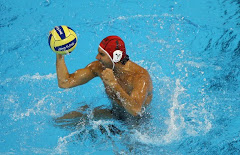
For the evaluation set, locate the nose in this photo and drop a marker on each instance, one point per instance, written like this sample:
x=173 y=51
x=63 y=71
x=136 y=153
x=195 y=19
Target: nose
x=98 y=57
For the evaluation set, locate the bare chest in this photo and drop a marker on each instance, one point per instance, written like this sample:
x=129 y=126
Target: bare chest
x=126 y=83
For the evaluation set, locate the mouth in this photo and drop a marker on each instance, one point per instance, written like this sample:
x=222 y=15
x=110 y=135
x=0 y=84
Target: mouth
x=100 y=62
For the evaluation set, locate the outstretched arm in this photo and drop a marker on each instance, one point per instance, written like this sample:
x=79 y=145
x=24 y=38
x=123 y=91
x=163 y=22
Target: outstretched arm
x=79 y=77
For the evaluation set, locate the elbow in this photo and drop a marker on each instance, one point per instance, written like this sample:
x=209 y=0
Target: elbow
x=62 y=85
x=136 y=112
x=134 y=109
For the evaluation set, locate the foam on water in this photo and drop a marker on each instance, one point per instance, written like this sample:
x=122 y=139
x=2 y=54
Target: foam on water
x=37 y=76
x=63 y=141
x=176 y=122
x=43 y=106
x=177 y=126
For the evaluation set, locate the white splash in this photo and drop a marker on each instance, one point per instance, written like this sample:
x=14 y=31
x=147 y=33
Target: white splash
x=96 y=124
x=138 y=17
x=37 y=76
x=39 y=108
x=133 y=17
x=197 y=65
x=176 y=122
x=63 y=141
x=147 y=139
x=28 y=77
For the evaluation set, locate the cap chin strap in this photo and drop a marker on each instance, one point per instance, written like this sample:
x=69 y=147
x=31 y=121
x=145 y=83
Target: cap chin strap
x=109 y=57
x=117 y=55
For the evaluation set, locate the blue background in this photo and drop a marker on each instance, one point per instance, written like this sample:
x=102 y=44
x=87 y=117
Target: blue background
x=190 y=48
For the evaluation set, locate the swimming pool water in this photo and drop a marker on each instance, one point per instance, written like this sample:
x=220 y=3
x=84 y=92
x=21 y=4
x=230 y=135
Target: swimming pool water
x=190 y=48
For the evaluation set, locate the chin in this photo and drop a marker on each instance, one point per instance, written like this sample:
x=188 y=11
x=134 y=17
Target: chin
x=105 y=65
x=102 y=63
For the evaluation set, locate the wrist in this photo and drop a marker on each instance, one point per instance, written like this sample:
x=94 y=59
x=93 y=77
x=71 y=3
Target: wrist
x=59 y=56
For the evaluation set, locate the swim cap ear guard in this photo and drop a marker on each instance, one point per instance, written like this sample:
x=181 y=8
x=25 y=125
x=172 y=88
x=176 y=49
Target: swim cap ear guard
x=117 y=56
x=114 y=47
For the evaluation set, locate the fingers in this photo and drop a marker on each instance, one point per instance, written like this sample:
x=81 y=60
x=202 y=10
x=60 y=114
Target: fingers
x=108 y=76
x=106 y=72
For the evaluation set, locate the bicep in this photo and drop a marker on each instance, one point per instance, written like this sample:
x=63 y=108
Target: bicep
x=82 y=76
x=140 y=91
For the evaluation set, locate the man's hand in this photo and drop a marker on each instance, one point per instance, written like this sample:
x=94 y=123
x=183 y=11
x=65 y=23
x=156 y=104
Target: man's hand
x=109 y=78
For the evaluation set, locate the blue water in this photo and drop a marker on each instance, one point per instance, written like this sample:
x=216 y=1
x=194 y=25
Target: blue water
x=190 y=48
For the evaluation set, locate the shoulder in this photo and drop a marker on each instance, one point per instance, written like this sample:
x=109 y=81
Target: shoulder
x=141 y=76
x=139 y=72
x=96 y=67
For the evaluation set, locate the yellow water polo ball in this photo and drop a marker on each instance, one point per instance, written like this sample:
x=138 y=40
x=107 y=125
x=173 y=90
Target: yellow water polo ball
x=62 y=40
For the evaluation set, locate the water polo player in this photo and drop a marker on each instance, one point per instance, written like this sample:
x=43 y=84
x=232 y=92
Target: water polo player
x=127 y=84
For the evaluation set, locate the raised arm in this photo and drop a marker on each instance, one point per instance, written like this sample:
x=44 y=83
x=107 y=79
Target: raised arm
x=79 y=77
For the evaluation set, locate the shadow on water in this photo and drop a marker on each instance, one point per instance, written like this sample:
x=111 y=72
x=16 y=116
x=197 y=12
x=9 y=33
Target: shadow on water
x=86 y=127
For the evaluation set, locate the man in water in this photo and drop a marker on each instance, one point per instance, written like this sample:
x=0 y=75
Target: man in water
x=128 y=85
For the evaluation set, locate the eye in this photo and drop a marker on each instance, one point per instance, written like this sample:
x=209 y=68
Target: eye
x=101 y=54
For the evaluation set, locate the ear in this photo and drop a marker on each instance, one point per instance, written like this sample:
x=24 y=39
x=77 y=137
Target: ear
x=117 y=56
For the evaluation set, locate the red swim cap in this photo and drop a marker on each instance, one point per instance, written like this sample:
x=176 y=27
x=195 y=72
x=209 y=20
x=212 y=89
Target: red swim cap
x=114 y=47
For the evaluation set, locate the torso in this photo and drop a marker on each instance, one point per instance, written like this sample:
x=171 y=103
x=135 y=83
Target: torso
x=126 y=81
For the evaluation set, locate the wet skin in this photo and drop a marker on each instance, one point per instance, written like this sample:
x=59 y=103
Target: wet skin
x=129 y=86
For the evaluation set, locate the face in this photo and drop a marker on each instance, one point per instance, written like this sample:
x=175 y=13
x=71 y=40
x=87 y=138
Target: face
x=104 y=58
